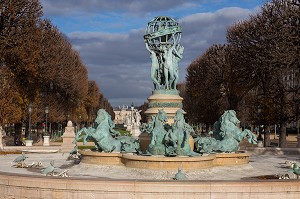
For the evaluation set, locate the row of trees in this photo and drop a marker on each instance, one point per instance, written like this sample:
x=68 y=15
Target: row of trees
x=255 y=73
x=38 y=66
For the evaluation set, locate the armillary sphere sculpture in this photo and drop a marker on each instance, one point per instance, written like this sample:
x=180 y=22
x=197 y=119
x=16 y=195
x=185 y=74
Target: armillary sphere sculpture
x=162 y=41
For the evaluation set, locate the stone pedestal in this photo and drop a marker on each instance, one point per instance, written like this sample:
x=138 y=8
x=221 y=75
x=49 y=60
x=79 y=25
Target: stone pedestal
x=168 y=100
x=28 y=142
x=135 y=131
x=128 y=127
x=68 y=138
x=46 y=140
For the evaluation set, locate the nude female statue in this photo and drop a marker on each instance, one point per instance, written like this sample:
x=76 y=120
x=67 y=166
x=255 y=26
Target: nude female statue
x=154 y=67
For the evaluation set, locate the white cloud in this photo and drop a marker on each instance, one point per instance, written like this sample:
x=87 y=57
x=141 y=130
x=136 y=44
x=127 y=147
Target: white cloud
x=202 y=30
x=97 y=36
x=120 y=63
x=130 y=7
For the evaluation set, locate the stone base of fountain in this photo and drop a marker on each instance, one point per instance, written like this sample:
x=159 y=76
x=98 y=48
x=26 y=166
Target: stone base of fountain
x=168 y=100
x=168 y=163
x=228 y=159
x=92 y=157
x=162 y=162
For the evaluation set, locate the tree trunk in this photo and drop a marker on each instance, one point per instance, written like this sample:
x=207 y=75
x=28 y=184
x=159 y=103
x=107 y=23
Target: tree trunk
x=207 y=128
x=26 y=129
x=18 y=134
x=282 y=136
x=267 y=140
x=233 y=101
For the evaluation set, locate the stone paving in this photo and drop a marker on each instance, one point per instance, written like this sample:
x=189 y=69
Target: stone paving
x=263 y=161
x=268 y=164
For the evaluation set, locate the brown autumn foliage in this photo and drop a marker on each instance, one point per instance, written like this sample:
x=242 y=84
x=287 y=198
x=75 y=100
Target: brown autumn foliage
x=219 y=79
x=39 y=65
x=92 y=100
x=104 y=104
x=10 y=98
x=20 y=37
x=63 y=77
x=203 y=89
x=19 y=53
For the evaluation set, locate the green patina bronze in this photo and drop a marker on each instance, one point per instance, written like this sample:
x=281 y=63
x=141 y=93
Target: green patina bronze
x=165 y=104
x=180 y=175
x=105 y=137
x=226 y=135
x=295 y=170
x=157 y=130
x=177 y=140
x=169 y=140
x=162 y=41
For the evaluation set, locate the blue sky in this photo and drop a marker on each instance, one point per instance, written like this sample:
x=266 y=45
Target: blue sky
x=109 y=36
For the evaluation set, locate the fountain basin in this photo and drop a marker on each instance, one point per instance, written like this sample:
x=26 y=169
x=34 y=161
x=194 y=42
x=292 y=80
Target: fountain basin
x=165 y=163
x=101 y=158
x=168 y=163
x=227 y=159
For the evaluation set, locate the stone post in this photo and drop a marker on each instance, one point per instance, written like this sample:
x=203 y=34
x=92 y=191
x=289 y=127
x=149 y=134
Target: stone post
x=28 y=142
x=298 y=133
x=135 y=131
x=68 y=137
x=46 y=140
x=128 y=127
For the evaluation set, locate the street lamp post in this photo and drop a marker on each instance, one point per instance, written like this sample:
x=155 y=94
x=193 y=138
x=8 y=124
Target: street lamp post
x=29 y=121
x=298 y=133
x=79 y=122
x=87 y=121
x=259 y=138
x=46 y=136
x=132 y=108
x=46 y=126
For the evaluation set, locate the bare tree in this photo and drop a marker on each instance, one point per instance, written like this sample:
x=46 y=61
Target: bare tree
x=268 y=44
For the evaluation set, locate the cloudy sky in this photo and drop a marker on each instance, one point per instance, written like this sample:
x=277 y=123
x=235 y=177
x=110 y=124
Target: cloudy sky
x=109 y=36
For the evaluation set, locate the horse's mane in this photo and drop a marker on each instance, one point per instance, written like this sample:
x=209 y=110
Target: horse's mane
x=106 y=117
x=107 y=120
x=178 y=117
x=110 y=122
x=180 y=113
x=160 y=113
x=224 y=120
